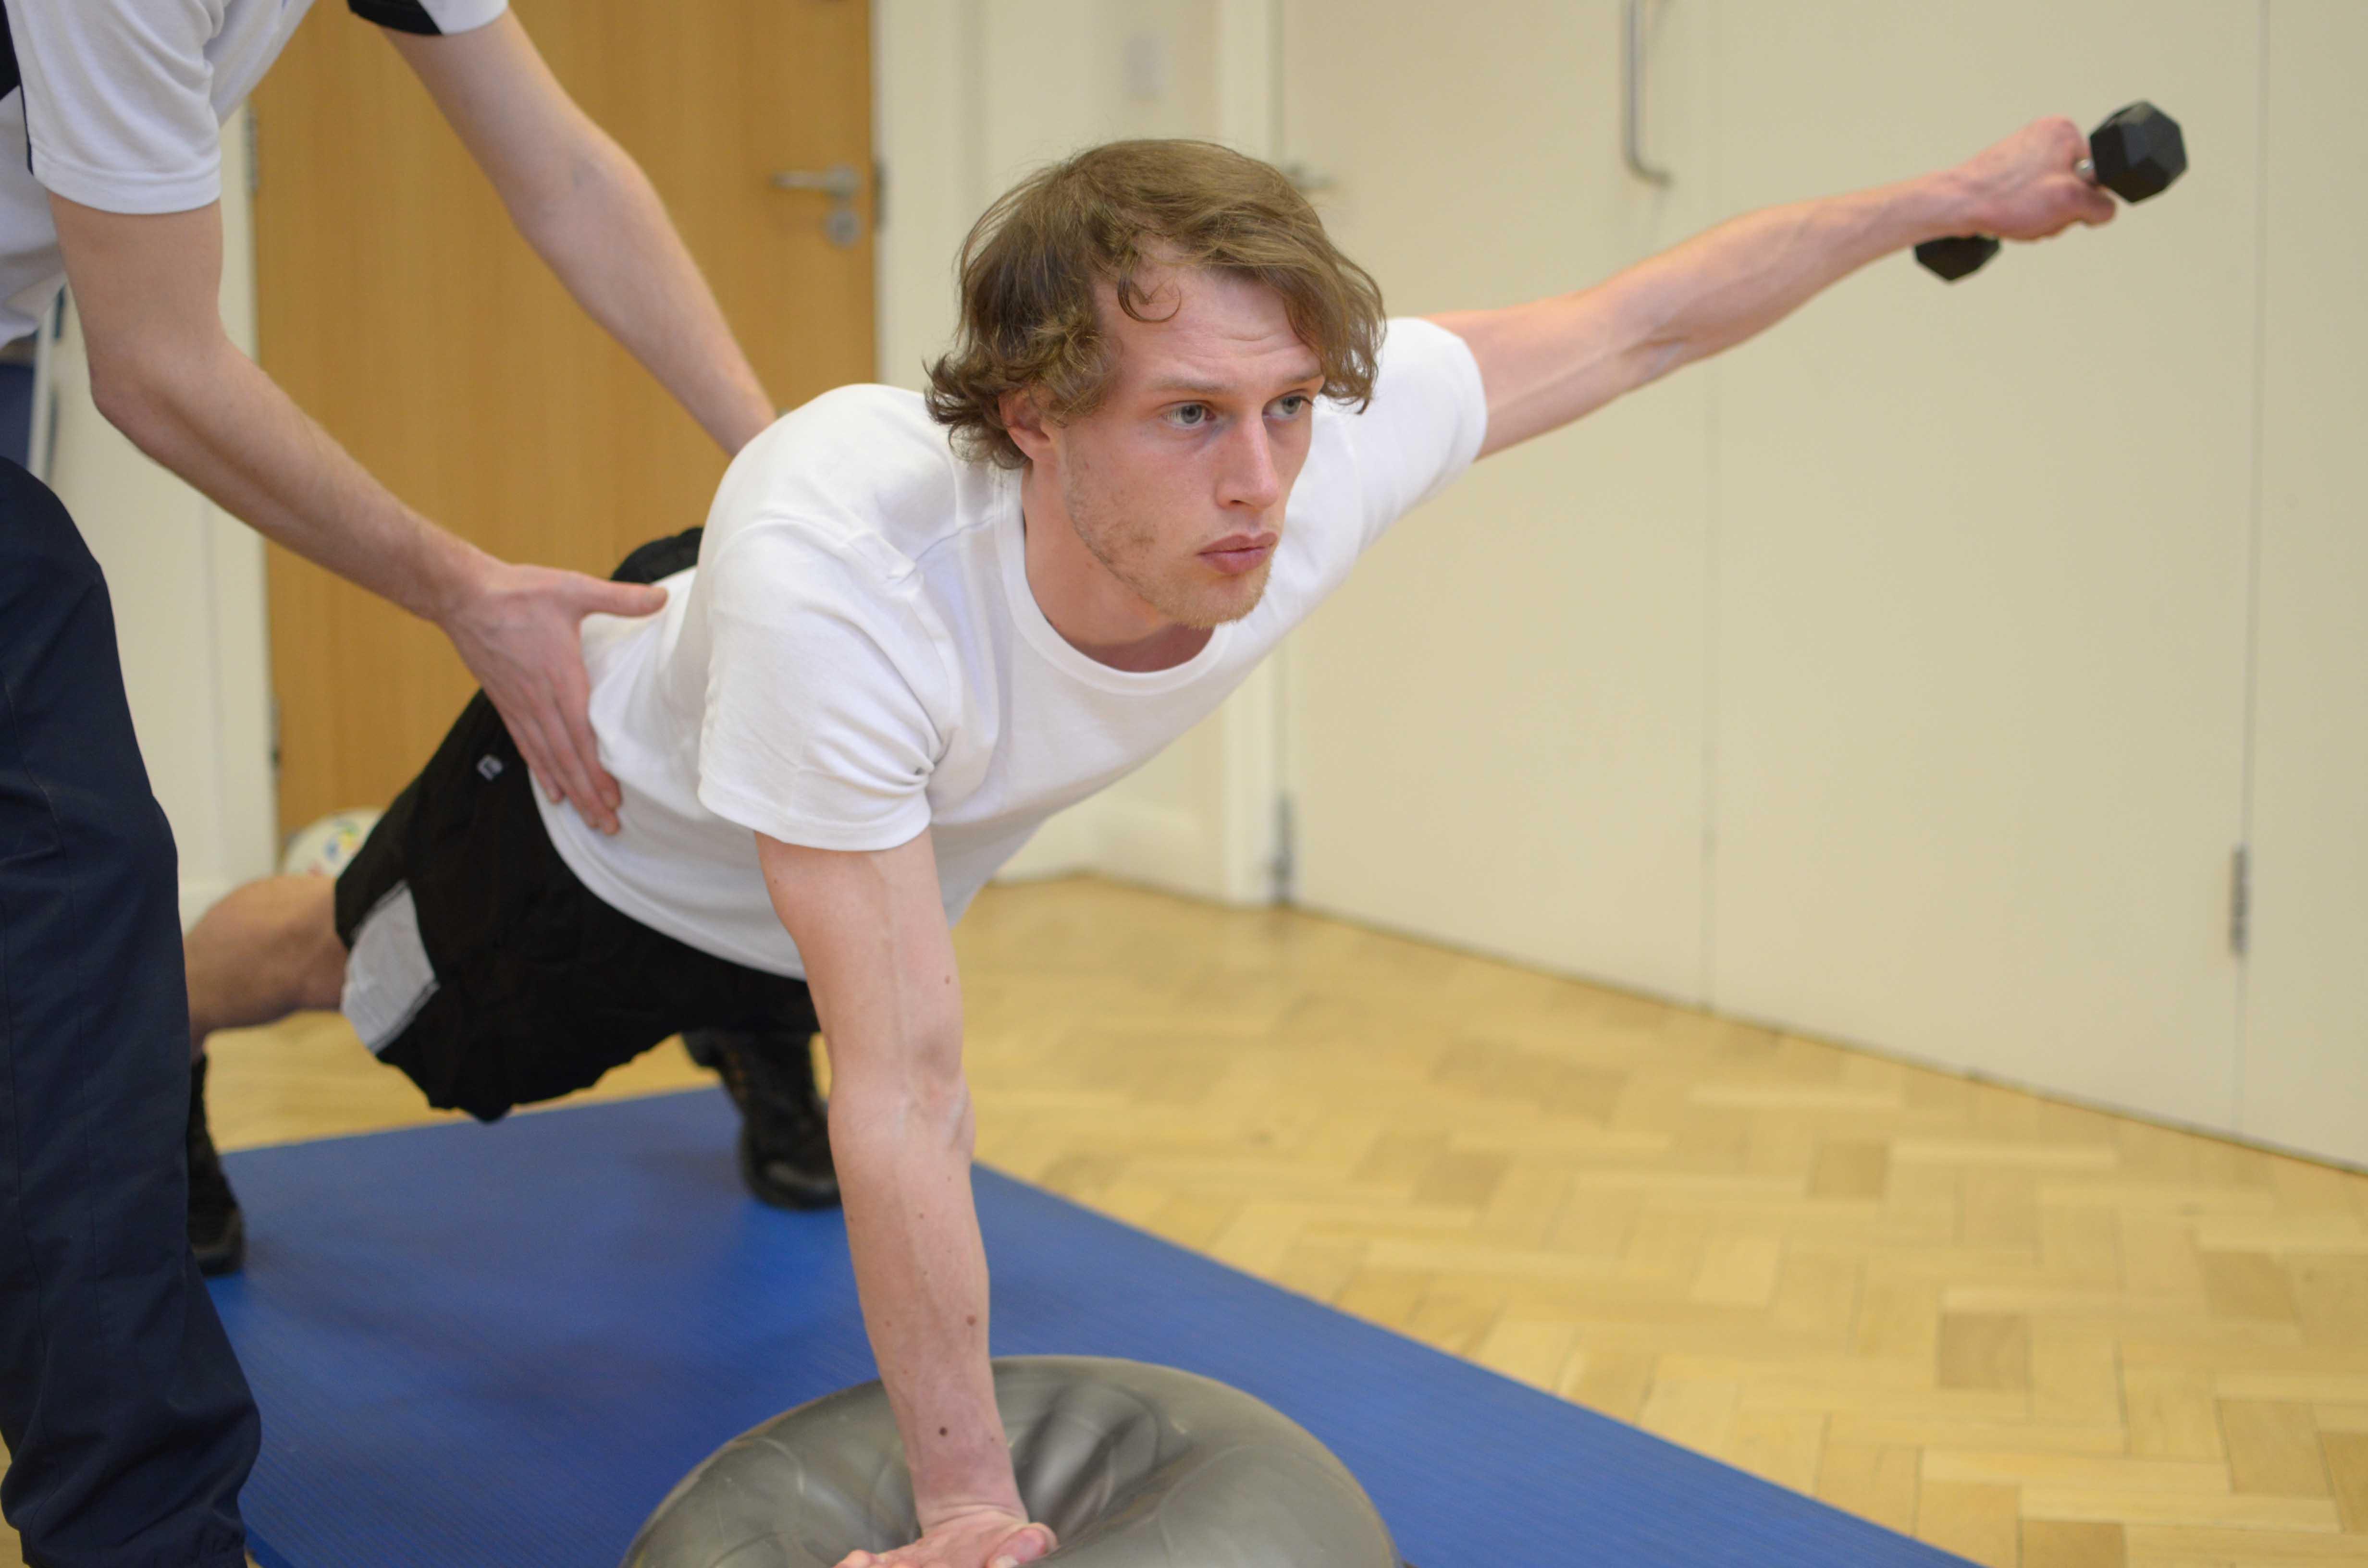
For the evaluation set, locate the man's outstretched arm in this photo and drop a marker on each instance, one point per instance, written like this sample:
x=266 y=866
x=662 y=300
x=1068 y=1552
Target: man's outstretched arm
x=872 y=928
x=1550 y=362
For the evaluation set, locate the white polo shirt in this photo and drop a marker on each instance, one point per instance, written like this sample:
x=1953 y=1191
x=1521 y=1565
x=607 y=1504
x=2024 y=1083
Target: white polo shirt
x=119 y=105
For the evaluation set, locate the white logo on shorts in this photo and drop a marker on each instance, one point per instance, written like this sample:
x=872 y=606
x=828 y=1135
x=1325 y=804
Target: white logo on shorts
x=489 y=769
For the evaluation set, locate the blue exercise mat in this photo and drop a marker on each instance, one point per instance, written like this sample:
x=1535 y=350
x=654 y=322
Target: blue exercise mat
x=503 y=1345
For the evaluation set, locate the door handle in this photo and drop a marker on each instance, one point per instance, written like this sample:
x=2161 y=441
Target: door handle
x=842 y=184
x=1632 y=128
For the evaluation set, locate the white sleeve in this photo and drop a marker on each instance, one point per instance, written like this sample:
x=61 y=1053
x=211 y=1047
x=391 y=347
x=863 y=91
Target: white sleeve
x=1424 y=426
x=821 y=683
x=118 y=104
x=432 y=17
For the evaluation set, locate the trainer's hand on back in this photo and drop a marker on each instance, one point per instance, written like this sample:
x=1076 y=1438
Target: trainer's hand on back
x=988 y=1538
x=2025 y=187
x=518 y=630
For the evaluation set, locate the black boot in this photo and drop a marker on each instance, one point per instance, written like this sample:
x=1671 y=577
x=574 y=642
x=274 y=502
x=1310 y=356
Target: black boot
x=217 y=1229
x=784 y=1127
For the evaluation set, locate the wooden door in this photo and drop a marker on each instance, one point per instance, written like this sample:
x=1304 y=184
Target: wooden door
x=1495 y=728
x=400 y=308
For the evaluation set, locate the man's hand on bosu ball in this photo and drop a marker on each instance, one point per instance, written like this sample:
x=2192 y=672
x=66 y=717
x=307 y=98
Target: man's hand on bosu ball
x=986 y=1539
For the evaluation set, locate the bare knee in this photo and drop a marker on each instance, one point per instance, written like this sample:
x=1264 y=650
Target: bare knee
x=314 y=950
x=267 y=950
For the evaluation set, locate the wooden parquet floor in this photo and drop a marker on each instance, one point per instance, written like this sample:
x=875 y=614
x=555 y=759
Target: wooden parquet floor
x=2026 y=1332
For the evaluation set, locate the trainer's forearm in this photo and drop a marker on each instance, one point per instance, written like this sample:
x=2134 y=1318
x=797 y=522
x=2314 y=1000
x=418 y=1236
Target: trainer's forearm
x=609 y=239
x=1552 y=361
x=205 y=411
x=163 y=372
x=912 y=1225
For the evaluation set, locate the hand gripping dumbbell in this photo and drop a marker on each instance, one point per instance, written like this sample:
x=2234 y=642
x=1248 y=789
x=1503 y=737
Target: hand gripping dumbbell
x=2134 y=154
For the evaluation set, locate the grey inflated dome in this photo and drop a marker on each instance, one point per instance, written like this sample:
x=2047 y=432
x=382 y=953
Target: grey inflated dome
x=1135 y=1466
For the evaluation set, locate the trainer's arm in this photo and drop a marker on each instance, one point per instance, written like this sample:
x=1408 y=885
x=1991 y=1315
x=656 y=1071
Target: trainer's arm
x=1550 y=362
x=162 y=369
x=872 y=928
x=592 y=215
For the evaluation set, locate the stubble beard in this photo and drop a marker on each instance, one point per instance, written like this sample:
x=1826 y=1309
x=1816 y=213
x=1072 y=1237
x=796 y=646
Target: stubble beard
x=1128 y=549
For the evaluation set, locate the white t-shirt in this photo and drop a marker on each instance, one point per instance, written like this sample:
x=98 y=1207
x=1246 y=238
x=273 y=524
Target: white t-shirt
x=121 y=106
x=858 y=655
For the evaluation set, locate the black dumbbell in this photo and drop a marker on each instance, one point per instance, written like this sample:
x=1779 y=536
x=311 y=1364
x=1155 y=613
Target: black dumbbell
x=2134 y=154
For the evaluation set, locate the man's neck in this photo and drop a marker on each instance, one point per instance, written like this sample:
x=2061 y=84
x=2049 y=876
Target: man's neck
x=1093 y=611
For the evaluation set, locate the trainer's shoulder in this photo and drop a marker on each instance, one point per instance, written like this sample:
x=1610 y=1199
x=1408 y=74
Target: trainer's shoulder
x=864 y=465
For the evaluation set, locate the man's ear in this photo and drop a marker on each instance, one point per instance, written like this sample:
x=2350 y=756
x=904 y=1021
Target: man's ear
x=1024 y=421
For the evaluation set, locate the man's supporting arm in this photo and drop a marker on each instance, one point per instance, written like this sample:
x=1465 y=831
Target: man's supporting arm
x=163 y=372
x=1548 y=363
x=592 y=215
x=872 y=928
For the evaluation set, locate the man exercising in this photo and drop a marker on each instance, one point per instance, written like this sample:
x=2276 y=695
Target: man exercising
x=918 y=626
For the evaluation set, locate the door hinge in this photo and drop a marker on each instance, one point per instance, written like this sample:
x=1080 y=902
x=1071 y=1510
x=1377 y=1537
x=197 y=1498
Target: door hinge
x=2240 y=900
x=1285 y=864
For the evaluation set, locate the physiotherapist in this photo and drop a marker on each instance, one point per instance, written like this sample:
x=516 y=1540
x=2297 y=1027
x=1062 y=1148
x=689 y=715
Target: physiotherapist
x=129 y=1423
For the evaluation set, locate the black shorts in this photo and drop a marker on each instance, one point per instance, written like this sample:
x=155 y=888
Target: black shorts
x=526 y=986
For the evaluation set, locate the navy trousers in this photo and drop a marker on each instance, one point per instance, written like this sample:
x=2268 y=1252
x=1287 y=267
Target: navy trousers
x=129 y=1423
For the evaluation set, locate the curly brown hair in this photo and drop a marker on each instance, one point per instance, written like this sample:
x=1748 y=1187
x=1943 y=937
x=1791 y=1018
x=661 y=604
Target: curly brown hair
x=1031 y=265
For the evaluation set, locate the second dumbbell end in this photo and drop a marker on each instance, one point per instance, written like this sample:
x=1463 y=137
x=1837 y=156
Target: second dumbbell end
x=1959 y=256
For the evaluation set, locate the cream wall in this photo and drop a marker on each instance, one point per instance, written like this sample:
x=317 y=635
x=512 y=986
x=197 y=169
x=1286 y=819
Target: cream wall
x=1888 y=679
x=1502 y=719
x=1981 y=606
x=2302 y=1080
x=186 y=582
